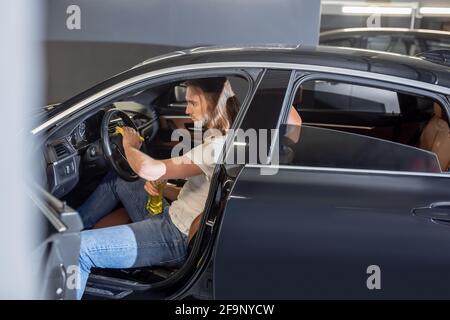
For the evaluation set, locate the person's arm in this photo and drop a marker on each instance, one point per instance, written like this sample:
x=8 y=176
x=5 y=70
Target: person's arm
x=293 y=117
x=151 y=169
x=171 y=192
x=295 y=122
x=194 y=226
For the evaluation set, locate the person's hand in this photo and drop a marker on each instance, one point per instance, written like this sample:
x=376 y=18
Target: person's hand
x=131 y=138
x=152 y=187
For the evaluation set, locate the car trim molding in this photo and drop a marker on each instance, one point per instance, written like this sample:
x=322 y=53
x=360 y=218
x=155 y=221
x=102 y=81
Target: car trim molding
x=337 y=125
x=46 y=210
x=175 y=117
x=349 y=170
x=243 y=64
x=238 y=197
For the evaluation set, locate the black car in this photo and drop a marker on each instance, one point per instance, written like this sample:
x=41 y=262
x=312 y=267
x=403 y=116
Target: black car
x=356 y=204
x=397 y=40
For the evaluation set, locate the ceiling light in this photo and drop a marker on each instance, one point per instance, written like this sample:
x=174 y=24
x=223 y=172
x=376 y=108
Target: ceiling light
x=434 y=11
x=377 y=10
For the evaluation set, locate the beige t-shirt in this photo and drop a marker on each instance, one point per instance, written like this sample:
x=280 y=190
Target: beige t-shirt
x=192 y=197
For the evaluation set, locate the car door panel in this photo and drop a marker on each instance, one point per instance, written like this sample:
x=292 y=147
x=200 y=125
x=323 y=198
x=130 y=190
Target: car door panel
x=57 y=255
x=306 y=233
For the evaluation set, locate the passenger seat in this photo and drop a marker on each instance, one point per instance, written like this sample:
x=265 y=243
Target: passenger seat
x=435 y=137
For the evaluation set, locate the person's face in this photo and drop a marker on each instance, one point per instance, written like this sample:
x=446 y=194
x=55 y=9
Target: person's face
x=196 y=104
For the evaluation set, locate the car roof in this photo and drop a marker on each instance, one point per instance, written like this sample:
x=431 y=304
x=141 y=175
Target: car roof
x=389 y=31
x=393 y=64
x=269 y=55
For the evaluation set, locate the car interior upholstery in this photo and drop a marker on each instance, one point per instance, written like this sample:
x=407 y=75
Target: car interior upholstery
x=435 y=137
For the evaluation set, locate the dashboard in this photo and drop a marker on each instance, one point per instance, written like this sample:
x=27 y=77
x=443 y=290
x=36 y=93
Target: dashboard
x=86 y=132
x=78 y=136
x=77 y=145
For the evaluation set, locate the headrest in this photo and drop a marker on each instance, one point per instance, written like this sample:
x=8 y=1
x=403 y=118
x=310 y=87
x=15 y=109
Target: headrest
x=180 y=94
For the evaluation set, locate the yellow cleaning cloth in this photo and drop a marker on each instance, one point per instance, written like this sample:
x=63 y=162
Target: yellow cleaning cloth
x=119 y=130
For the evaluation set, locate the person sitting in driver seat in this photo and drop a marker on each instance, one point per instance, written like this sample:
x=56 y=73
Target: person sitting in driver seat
x=160 y=239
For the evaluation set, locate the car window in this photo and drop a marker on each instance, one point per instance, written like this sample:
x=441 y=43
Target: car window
x=320 y=147
x=436 y=44
x=415 y=46
x=345 y=42
x=398 y=45
x=379 y=42
x=320 y=95
x=348 y=125
x=387 y=43
x=253 y=139
x=171 y=98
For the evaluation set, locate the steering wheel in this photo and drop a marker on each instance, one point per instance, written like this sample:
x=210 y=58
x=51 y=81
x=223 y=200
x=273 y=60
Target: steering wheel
x=112 y=144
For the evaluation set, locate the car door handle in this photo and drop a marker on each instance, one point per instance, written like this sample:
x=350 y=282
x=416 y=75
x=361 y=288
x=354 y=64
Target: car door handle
x=436 y=211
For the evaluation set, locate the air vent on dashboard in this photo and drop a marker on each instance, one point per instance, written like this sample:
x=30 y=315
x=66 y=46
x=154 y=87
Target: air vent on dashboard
x=61 y=151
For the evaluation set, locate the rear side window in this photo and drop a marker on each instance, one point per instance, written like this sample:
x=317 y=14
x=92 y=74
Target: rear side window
x=320 y=147
x=344 y=42
x=437 y=44
x=335 y=96
x=348 y=125
x=380 y=42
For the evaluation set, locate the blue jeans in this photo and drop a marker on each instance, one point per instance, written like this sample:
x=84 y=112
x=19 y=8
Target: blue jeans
x=148 y=241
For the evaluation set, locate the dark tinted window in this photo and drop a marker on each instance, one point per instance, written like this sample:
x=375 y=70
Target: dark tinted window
x=435 y=44
x=262 y=116
x=380 y=43
x=266 y=105
x=321 y=95
x=345 y=42
x=398 y=45
x=387 y=43
x=365 y=127
x=319 y=147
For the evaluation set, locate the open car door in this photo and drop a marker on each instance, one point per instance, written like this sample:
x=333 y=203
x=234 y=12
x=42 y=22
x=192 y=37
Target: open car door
x=380 y=230
x=58 y=252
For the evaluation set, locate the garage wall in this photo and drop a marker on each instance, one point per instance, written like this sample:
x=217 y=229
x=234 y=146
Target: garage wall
x=117 y=34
